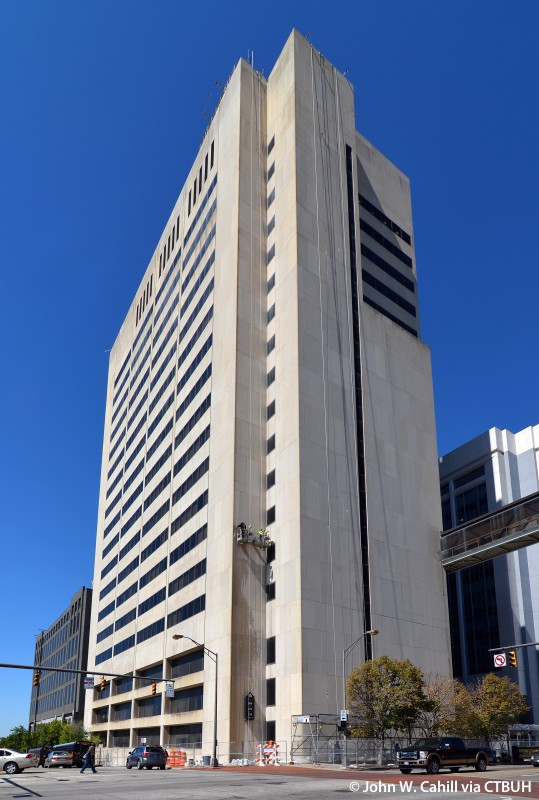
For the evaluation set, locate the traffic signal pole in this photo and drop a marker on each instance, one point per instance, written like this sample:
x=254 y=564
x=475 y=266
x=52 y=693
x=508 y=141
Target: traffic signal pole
x=41 y=668
x=511 y=650
x=506 y=647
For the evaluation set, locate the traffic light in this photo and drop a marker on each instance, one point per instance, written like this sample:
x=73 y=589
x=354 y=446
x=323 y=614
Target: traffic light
x=512 y=654
x=36 y=678
x=154 y=689
x=103 y=684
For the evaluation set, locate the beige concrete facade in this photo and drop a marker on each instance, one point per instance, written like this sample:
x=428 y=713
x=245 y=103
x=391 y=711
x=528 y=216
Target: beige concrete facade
x=262 y=252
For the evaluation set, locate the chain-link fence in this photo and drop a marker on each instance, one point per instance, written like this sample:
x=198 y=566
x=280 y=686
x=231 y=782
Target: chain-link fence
x=198 y=754
x=337 y=750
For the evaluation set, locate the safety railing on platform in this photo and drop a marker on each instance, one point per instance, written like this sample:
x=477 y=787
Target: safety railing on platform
x=518 y=519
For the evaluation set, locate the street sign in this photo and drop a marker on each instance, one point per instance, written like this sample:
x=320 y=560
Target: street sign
x=89 y=682
x=249 y=706
x=169 y=690
x=500 y=659
x=344 y=715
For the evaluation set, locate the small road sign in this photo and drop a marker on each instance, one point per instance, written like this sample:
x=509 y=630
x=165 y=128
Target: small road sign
x=89 y=682
x=500 y=659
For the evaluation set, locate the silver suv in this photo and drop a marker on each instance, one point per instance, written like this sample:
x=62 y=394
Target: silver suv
x=147 y=756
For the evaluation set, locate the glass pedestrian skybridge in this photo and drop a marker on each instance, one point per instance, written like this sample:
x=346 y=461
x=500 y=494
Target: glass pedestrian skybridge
x=491 y=535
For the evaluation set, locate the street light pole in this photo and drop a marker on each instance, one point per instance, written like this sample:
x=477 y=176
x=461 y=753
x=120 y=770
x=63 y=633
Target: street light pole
x=214 y=657
x=345 y=653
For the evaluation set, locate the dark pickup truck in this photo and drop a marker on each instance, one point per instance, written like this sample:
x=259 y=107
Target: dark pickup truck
x=448 y=752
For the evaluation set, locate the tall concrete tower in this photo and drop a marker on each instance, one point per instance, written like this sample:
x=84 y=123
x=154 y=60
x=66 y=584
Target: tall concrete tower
x=269 y=376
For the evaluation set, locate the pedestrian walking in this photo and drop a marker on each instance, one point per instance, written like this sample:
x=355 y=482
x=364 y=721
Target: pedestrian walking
x=88 y=759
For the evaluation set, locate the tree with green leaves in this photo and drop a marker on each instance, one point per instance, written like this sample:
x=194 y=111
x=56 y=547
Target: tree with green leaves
x=487 y=707
x=385 y=694
x=19 y=738
x=48 y=733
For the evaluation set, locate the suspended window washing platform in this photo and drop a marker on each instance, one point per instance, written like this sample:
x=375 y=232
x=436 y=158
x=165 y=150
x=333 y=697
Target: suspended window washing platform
x=245 y=535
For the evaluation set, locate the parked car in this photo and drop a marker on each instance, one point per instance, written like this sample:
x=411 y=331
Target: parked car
x=13 y=762
x=41 y=754
x=535 y=759
x=146 y=757
x=59 y=758
x=448 y=752
x=75 y=749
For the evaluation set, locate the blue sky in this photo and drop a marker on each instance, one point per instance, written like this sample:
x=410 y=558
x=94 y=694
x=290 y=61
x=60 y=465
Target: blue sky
x=103 y=109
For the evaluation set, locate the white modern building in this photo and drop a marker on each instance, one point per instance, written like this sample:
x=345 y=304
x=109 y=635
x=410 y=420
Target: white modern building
x=269 y=376
x=496 y=602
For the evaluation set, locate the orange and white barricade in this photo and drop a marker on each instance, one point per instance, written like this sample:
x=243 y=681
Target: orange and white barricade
x=260 y=756
x=273 y=754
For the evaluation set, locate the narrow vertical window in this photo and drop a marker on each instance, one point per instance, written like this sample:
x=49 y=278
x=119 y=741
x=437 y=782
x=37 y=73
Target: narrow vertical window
x=270 y=691
x=270 y=650
x=211 y=154
x=206 y=168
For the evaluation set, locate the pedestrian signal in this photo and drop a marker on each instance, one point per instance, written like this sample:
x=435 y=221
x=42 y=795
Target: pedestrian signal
x=513 y=658
x=36 y=678
x=154 y=689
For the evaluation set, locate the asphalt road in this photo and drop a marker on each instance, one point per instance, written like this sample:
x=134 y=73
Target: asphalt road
x=271 y=783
